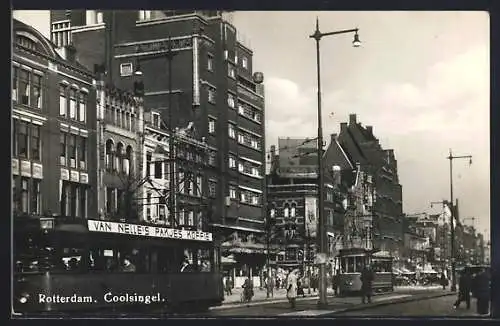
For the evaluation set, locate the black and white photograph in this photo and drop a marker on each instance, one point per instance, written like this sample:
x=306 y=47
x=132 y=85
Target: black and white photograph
x=257 y=164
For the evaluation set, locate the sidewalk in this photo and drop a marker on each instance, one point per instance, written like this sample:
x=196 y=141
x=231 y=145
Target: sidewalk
x=260 y=295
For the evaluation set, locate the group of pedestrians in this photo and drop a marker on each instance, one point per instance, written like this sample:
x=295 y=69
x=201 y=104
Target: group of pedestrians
x=479 y=286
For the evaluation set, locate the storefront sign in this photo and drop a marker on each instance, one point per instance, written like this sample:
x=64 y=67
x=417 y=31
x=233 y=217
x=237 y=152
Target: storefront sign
x=84 y=178
x=75 y=176
x=15 y=166
x=26 y=168
x=147 y=231
x=64 y=174
x=37 y=171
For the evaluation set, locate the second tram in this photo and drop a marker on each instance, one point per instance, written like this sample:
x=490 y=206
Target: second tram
x=352 y=261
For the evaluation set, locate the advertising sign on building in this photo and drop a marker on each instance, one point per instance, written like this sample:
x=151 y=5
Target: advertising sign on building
x=311 y=209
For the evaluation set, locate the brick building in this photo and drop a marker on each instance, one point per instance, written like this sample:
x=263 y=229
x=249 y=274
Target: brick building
x=363 y=147
x=214 y=90
x=53 y=131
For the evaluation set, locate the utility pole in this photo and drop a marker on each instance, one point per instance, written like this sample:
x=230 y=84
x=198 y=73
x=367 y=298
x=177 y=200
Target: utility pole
x=452 y=219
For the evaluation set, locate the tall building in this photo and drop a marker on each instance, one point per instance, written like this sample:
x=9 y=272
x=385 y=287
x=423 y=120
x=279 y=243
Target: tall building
x=363 y=147
x=212 y=89
x=54 y=123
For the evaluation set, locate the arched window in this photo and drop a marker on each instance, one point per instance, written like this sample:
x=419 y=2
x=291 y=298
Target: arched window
x=109 y=155
x=286 y=210
x=119 y=157
x=293 y=210
x=127 y=161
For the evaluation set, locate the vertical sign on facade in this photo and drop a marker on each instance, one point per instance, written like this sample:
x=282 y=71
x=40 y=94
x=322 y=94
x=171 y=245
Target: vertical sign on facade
x=311 y=215
x=196 y=72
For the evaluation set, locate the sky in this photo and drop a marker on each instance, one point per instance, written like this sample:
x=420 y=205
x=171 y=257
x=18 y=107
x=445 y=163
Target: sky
x=420 y=78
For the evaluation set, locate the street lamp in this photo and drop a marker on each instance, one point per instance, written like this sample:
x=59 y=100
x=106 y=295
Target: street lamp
x=322 y=236
x=451 y=158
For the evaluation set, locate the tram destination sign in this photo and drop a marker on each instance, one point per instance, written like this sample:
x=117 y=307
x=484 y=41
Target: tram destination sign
x=148 y=231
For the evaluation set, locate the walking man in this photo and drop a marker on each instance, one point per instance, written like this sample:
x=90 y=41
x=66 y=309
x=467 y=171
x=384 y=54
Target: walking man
x=481 y=290
x=464 y=289
x=366 y=283
x=291 y=288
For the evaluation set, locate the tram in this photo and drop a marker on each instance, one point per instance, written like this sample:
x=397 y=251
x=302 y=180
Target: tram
x=353 y=260
x=89 y=265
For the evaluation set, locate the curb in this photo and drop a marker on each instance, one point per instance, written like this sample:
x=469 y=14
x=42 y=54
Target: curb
x=259 y=303
x=386 y=303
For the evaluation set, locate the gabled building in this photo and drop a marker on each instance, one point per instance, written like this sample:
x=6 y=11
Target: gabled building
x=53 y=130
x=363 y=147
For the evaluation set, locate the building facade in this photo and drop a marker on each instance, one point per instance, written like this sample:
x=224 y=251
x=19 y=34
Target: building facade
x=212 y=89
x=119 y=143
x=363 y=147
x=54 y=129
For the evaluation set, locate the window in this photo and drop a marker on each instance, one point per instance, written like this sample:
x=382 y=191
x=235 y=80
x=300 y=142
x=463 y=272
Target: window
x=23 y=140
x=212 y=188
x=243 y=197
x=83 y=107
x=211 y=95
x=72 y=104
x=109 y=155
x=144 y=14
x=148 y=206
x=93 y=17
x=148 y=164
x=241 y=109
x=231 y=131
x=110 y=200
x=118 y=157
x=15 y=130
x=126 y=69
x=182 y=220
x=36 y=197
x=83 y=152
x=36 y=100
x=63 y=104
x=15 y=80
x=210 y=63
x=127 y=161
x=241 y=138
x=244 y=62
x=231 y=101
x=62 y=155
x=256 y=200
x=35 y=142
x=211 y=158
x=155 y=119
x=158 y=170
x=211 y=126
x=24 y=87
x=286 y=211
x=190 y=218
x=232 y=162
x=241 y=167
x=72 y=150
x=231 y=71
x=82 y=201
x=199 y=185
x=232 y=192
x=293 y=210
x=24 y=195
x=26 y=42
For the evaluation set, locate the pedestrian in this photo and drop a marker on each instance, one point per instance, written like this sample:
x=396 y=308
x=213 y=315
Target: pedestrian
x=366 y=283
x=335 y=282
x=300 y=287
x=291 y=288
x=278 y=283
x=464 y=289
x=443 y=280
x=228 y=286
x=481 y=290
x=314 y=282
x=270 y=286
x=248 y=290
x=127 y=265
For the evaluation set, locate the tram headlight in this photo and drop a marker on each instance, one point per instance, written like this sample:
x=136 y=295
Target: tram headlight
x=24 y=298
x=348 y=283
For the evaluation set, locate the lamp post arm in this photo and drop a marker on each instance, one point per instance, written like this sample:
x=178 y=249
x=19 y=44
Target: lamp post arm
x=319 y=35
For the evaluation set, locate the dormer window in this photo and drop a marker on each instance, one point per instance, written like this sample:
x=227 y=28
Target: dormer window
x=26 y=42
x=93 y=17
x=155 y=119
x=145 y=14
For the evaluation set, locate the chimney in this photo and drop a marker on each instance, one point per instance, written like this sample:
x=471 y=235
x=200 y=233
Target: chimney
x=369 y=129
x=352 y=119
x=343 y=126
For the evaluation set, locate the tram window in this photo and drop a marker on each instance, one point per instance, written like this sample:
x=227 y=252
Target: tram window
x=343 y=265
x=359 y=264
x=204 y=263
x=350 y=265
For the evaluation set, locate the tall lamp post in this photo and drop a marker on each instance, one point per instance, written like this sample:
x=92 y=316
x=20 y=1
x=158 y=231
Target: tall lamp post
x=322 y=236
x=171 y=160
x=452 y=218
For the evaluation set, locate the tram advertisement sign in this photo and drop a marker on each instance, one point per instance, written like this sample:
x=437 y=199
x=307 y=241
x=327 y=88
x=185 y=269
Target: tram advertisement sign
x=148 y=231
